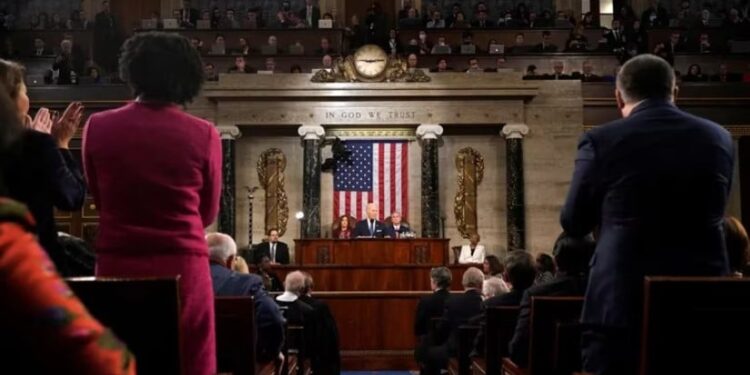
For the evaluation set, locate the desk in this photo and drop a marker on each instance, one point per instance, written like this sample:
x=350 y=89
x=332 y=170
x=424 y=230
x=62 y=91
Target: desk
x=427 y=251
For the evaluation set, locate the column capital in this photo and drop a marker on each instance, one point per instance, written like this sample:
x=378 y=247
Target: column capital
x=429 y=131
x=311 y=132
x=515 y=131
x=229 y=132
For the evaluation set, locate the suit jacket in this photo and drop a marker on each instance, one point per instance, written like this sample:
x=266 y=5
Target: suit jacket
x=548 y=47
x=465 y=256
x=459 y=309
x=324 y=354
x=362 y=229
x=390 y=230
x=268 y=318
x=656 y=185
x=429 y=307
x=43 y=176
x=282 y=252
x=315 y=16
x=561 y=285
x=512 y=298
x=615 y=41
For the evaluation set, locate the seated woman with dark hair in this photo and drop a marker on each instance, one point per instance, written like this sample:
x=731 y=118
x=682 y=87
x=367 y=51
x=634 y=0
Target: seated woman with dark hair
x=545 y=268
x=343 y=227
x=155 y=174
x=492 y=267
x=737 y=244
x=694 y=74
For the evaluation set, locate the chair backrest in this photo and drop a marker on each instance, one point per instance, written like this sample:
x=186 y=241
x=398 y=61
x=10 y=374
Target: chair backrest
x=546 y=314
x=236 y=335
x=695 y=325
x=500 y=327
x=143 y=313
x=466 y=336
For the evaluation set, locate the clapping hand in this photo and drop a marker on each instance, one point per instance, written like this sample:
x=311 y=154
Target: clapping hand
x=42 y=121
x=64 y=127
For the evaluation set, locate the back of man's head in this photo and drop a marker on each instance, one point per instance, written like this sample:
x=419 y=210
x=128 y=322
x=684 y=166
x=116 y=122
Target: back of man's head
x=220 y=246
x=309 y=283
x=520 y=269
x=295 y=283
x=442 y=277
x=572 y=254
x=473 y=279
x=646 y=77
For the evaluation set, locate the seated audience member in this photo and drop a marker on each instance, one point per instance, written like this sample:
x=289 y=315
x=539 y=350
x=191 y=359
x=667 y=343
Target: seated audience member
x=637 y=36
x=492 y=267
x=577 y=42
x=296 y=312
x=270 y=64
x=78 y=21
x=520 y=272
x=370 y=227
x=240 y=66
x=396 y=228
x=325 y=47
x=694 y=74
x=432 y=306
x=655 y=16
x=412 y=61
x=250 y=21
x=467 y=41
x=459 y=309
x=441 y=47
x=587 y=74
x=482 y=21
x=676 y=43
x=343 y=228
x=295 y=69
x=206 y=17
x=327 y=62
x=558 y=68
x=442 y=66
x=413 y=46
x=273 y=44
x=67 y=64
x=94 y=75
x=460 y=22
x=725 y=76
x=737 y=244
x=269 y=322
x=425 y=46
x=545 y=268
x=243 y=49
x=412 y=21
x=209 y=70
x=219 y=46
x=271 y=282
x=572 y=255
x=531 y=73
x=392 y=45
x=229 y=21
x=474 y=66
x=519 y=46
x=324 y=354
x=40 y=49
x=616 y=37
x=473 y=252
x=499 y=66
x=494 y=287
x=276 y=251
x=197 y=43
x=309 y=15
x=704 y=44
x=546 y=45
x=661 y=50
x=436 y=22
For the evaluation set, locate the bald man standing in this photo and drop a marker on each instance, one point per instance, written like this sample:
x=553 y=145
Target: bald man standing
x=370 y=227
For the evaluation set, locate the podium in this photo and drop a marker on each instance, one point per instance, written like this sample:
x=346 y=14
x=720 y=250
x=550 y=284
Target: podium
x=371 y=251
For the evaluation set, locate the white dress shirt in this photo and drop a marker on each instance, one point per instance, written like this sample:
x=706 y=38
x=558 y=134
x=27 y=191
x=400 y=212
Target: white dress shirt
x=467 y=257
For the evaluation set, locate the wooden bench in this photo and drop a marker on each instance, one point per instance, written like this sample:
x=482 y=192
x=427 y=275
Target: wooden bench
x=500 y=326
x=144 y=313
x=695 y=325
x=547 y=315
x=461 y=364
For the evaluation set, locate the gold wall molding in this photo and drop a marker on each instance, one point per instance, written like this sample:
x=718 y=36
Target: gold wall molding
x=470 y=172
x=271 y=166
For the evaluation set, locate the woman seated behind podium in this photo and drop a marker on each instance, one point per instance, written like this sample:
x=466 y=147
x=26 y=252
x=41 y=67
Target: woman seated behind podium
x=45 y=328
x=344 y=228
x=473 y=252
x=155 y=174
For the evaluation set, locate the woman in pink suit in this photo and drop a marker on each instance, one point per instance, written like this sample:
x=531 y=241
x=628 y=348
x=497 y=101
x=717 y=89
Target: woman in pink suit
x=155 y=174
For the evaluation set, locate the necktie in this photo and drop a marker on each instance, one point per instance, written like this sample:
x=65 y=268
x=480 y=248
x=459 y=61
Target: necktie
x=273 y=252
x=372 y=227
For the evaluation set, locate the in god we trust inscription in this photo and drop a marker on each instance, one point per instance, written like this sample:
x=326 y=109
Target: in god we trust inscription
x=354 y=114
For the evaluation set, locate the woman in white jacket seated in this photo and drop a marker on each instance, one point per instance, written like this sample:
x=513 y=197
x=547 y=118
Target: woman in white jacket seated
x=473 y=252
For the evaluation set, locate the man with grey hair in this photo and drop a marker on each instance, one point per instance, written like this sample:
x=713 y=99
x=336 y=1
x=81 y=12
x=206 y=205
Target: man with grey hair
x=370 y=226
x=227 y=283
x=458 y=310
x=655 y=184
x=295 y=311
x=494 y=287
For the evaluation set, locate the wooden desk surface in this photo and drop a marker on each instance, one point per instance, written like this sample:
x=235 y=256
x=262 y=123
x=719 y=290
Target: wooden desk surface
x=432 y=251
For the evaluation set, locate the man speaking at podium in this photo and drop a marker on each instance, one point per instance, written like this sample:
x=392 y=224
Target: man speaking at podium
x=370 y=227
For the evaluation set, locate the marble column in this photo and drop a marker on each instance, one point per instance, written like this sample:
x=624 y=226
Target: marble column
x=312 y=137
x=227 y=212
x=516 y=210
x=429 y=134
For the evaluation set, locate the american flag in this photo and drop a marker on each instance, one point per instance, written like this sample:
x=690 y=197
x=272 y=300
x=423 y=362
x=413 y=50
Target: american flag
x=377 y=172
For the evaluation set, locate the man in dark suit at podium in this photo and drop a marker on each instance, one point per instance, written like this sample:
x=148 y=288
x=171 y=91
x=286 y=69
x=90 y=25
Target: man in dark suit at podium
x=370 y=227
x=396 y=228
x=275 y=250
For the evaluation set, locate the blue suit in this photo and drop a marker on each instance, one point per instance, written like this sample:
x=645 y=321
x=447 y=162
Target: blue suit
x=268 y=318
x=390 y=230
x=655 y=185
x=362 y=229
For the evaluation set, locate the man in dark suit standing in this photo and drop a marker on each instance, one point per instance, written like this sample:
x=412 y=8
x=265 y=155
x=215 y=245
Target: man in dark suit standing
x=275 y=250
x=572 y=255
x=324 y=354
x=188 y=15
x=396 y=228
x=310 y=14
x=370 y=227
x=546 y=44
x=106 y=39
x=655 y=184
x=458 y=310
x=226 y=282
x=429 y=307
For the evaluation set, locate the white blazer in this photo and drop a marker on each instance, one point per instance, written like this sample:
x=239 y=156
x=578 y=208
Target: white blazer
x=466 y=256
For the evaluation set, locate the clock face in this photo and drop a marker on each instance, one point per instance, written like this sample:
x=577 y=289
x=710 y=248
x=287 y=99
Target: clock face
x=370 y=61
